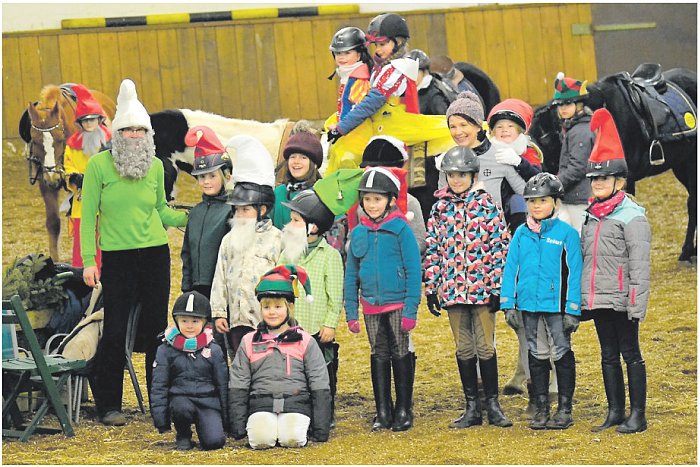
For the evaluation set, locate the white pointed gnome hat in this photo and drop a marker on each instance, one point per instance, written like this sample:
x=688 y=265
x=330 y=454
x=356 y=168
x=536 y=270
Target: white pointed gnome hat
x=252 y=161
x=130 y=112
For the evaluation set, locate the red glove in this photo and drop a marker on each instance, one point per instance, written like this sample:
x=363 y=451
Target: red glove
x=354 y=326
x=407 y=324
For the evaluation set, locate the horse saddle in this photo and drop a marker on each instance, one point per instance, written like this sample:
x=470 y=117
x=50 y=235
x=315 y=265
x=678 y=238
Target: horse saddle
x=649 y=75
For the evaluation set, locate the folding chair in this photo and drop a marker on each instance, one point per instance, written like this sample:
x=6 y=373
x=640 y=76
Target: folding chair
x=22 y=369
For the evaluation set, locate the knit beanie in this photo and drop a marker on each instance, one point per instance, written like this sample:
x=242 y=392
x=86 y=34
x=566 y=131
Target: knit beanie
x=568 y=89
x=467 y=105
x=306 y=143
x=282 y=281
x=87 y=105
x=251 y=161
x=130 y=112
x=607 y=156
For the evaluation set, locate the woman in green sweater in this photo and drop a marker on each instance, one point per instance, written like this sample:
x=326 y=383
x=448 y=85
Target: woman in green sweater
x=124 y=189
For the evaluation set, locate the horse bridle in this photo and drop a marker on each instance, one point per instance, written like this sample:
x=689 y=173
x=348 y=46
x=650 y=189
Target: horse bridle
x=41 y=169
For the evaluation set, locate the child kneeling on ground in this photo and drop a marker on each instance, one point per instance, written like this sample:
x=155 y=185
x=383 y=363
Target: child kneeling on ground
x=278 y=384
x=190 y=377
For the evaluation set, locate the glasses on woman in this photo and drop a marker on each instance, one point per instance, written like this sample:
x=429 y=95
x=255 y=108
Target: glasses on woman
x=133 y=131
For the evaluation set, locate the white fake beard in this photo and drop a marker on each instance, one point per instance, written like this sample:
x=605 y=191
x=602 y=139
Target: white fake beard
x=93 y=141
x=294 y=243
x=133 y=156
x=243 y=231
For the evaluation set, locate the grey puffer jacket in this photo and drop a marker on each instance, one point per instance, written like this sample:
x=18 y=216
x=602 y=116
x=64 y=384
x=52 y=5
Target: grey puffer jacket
x=577 y=143
x=616 y=260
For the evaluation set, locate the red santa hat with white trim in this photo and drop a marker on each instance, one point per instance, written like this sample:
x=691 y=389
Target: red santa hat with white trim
x=209 y=153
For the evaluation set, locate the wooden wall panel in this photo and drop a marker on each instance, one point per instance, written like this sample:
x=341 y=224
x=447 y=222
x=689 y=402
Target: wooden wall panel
x=267 y=69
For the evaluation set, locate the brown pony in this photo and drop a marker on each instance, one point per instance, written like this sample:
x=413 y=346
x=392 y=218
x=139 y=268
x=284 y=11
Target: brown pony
x=46 y=126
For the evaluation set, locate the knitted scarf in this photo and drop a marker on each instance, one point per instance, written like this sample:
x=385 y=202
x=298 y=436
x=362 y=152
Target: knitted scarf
x=533 y=224
x=191 y=344
x=604 y=207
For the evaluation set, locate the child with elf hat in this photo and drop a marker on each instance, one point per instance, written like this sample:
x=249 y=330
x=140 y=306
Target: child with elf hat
x=383 y=273
x=190 y=377
x=278 y=383
x=616 y=242
x=577 y=142
x=253 y=245
x=209 y=220
x=91 y=138
x=303 y=156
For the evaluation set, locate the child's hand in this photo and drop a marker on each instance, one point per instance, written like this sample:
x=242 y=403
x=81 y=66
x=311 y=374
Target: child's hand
x=570 y=324
x=326 y=334
x=507 y=156
x=354 y=326
x=221 y=325
x=333 y=135
x=407 y=324
x=514 y=319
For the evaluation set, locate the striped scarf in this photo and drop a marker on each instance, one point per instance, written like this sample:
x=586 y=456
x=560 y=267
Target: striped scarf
x=192 y=344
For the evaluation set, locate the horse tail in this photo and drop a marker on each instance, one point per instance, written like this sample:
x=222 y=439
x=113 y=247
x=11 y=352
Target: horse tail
x=483 y=83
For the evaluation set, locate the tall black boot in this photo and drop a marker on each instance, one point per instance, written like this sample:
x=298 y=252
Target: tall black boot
x=333 y=379
x=615 y=393
x=637 y=382
x=403 y=385
x=489 y=377
x=531 y=404
x=566 y=380
x=539 y=375
x=472 y=411
x=381 y=385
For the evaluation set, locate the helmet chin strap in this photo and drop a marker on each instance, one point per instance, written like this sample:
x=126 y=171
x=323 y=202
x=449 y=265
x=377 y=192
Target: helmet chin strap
x=286 y=320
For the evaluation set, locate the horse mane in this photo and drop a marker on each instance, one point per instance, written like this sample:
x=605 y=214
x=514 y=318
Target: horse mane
x=48 y=97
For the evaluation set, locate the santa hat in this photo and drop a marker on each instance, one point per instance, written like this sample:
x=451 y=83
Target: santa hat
x=251 y=162
x=283 y=281
x=568 y=90
x=130 y=112
x=515 y=110
x=209 y=153
x=87 y=106
x=467 y=105
x=607 y=156
x=385 y=151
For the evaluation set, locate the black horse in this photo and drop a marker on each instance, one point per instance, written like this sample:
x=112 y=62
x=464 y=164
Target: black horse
x=680 y=155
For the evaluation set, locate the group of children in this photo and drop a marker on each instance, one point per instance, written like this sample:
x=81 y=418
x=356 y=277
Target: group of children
x=494 y=240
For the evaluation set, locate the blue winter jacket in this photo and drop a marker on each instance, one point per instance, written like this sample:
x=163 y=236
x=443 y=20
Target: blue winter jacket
x=543 y=271
x=383 y=266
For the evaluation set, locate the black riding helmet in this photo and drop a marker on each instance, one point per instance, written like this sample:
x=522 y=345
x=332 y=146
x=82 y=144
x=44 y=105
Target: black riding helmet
x=309 y=206
x=192 y=304
x=421 y=57
x=379 y=180
x=349 y=38
x=249 y=193
x=387 y=26
x=543 y=184
x=460 y=159
x=385 y=151
x=212 y=163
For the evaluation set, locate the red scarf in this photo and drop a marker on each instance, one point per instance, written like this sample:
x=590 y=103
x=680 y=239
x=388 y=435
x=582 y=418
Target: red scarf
x=601 y=209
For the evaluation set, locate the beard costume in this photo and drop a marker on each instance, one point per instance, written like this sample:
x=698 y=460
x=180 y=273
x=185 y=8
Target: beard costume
x=243 y=230
x=133 y=156
x=294 y=243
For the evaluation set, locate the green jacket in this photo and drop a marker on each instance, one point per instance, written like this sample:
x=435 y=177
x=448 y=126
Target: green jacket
x=132 y=212
x=209 y=222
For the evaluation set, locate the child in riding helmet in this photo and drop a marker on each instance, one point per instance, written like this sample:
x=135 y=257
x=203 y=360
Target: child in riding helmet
x=303 y=155
x=542 y=280
x=465 y=118
x=393 y=98
x=304 y=245
x=209 y=220
x=467 y=242
x=383 y=273
x=91 y=138
x=190 y=377
x=616 y=242
x=253 y=245
x=278 y=384
x=434 y=96
x=577 y=142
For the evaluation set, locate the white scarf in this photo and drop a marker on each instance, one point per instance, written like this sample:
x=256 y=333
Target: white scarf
x=519 y=145
x=346 y=70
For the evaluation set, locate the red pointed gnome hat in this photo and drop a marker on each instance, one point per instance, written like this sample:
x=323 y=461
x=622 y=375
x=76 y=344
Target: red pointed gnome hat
x=209 y=153
x=87 y=105
x=516 y=110
x=607 y=156
x=282 y=281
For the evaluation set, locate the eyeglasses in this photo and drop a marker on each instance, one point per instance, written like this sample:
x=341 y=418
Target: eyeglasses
x=133 y=131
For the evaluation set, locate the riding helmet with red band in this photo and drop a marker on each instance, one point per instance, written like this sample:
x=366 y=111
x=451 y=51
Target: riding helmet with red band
x=387 y=26
x=515 y=110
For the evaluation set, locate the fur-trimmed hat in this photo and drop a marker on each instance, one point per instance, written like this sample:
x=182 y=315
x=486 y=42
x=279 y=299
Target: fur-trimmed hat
x=467 y=105
x=568 y=90
x=130 y=112
x=209 y=153
x=306 y=143
x=282 y=281
x=385 y=151
x=607 y=156
x=87 y=106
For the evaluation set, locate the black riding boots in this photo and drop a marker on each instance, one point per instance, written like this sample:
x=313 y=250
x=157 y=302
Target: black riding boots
x=539 y=375
x=615 y=393
x=404 y=369
x=472 y=411
x=489 y=378
x=566 y=380
x=637 y=382
x=381 y=385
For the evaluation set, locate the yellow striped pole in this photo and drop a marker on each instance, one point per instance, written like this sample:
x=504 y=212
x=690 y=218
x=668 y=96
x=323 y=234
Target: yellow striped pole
x=180 y=18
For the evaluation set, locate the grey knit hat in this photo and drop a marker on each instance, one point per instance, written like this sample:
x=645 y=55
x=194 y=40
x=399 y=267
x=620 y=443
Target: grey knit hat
x=467 y=105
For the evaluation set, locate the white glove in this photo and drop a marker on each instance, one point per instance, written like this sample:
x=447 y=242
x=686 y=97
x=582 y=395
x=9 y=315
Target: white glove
x=507 y=156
